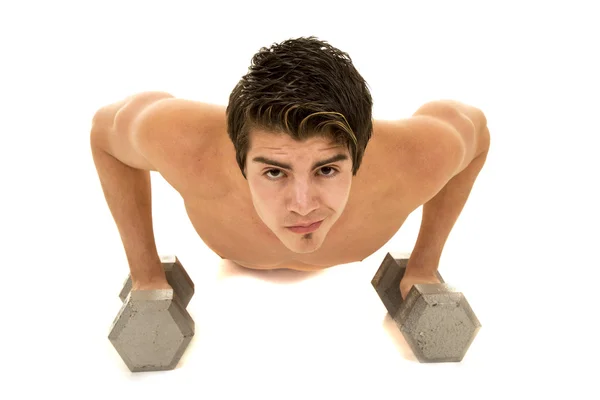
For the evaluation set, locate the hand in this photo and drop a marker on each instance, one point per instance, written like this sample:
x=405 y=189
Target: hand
x=155 y=284
x=410 y=279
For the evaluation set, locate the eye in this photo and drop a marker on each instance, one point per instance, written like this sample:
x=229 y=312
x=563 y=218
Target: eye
x=329 y=172
x=271 y=170
x=333 y=171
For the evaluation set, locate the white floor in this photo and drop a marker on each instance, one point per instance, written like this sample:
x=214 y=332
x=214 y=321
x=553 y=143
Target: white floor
x=524 y=250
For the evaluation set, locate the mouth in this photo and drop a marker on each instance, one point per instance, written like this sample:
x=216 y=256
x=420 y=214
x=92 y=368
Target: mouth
x=305 y=229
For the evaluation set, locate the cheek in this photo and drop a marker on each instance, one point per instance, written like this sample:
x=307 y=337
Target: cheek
x=264 y=198
x=338 y=195
x=259 y=189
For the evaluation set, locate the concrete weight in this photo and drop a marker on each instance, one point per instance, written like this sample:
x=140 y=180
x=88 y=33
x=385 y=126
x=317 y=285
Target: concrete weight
x=435 y=319
x=153 y=328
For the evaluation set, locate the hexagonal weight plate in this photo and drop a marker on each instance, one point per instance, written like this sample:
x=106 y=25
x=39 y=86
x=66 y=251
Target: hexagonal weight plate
x=152 y=330
x=436 y=320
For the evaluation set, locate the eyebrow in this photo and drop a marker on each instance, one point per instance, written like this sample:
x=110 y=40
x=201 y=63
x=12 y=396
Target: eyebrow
x=264 y=160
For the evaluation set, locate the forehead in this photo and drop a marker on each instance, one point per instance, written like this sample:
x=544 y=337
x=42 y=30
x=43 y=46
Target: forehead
x=262 y=140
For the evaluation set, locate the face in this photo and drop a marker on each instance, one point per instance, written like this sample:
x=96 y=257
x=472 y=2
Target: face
x=297 y=183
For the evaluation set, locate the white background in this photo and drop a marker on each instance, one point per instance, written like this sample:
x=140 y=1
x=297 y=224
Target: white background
x=524 y=250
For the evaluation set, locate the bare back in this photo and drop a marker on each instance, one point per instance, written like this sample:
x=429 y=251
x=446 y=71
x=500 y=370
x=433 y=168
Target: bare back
x=219 y=204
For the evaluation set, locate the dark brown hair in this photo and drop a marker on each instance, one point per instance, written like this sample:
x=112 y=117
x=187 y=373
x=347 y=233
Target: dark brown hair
x=303 y=88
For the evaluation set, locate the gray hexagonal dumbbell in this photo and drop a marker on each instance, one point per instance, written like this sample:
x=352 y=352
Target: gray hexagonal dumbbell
x=153 y=329
x=436 y=320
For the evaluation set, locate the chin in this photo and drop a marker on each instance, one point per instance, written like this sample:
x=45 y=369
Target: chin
x=302 y=245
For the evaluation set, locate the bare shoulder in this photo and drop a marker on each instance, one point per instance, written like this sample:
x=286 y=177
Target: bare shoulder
x=180 y=138
x=159 y=132
x=176 y=118
x=433 y=145
x=460 y=115
x=112 y=130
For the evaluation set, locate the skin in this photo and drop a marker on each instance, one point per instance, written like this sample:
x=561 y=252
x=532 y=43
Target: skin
x=297 y=194
x=430 y=159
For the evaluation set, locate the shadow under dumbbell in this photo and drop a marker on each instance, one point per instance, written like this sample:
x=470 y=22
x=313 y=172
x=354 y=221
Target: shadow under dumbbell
x=229 y=268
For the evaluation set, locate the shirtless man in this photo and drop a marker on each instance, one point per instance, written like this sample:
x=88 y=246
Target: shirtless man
x=295 y=146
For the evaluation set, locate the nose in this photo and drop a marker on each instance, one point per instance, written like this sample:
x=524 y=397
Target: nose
x=303 y=198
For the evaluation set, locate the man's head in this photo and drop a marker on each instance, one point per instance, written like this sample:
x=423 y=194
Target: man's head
x=302 y=102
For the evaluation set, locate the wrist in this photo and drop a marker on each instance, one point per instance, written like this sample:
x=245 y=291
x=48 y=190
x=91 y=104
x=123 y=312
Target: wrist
x=150 y=283
x=148 y=273
x=421 y=266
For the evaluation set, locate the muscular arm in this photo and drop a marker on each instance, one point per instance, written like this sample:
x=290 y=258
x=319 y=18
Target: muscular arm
x=441 y=212
x=145 y=132
x=124 y=174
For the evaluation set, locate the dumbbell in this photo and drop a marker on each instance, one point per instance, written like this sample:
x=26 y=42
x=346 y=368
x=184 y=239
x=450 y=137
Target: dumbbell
x=153 y=328
x=435 y=319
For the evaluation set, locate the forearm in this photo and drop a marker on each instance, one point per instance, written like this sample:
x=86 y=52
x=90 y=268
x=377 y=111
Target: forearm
x=128 y=194
x=439 y=216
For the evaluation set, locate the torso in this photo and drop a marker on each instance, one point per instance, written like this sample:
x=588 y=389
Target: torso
x=227 y=222
x=218 y=203
x=225 y=218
